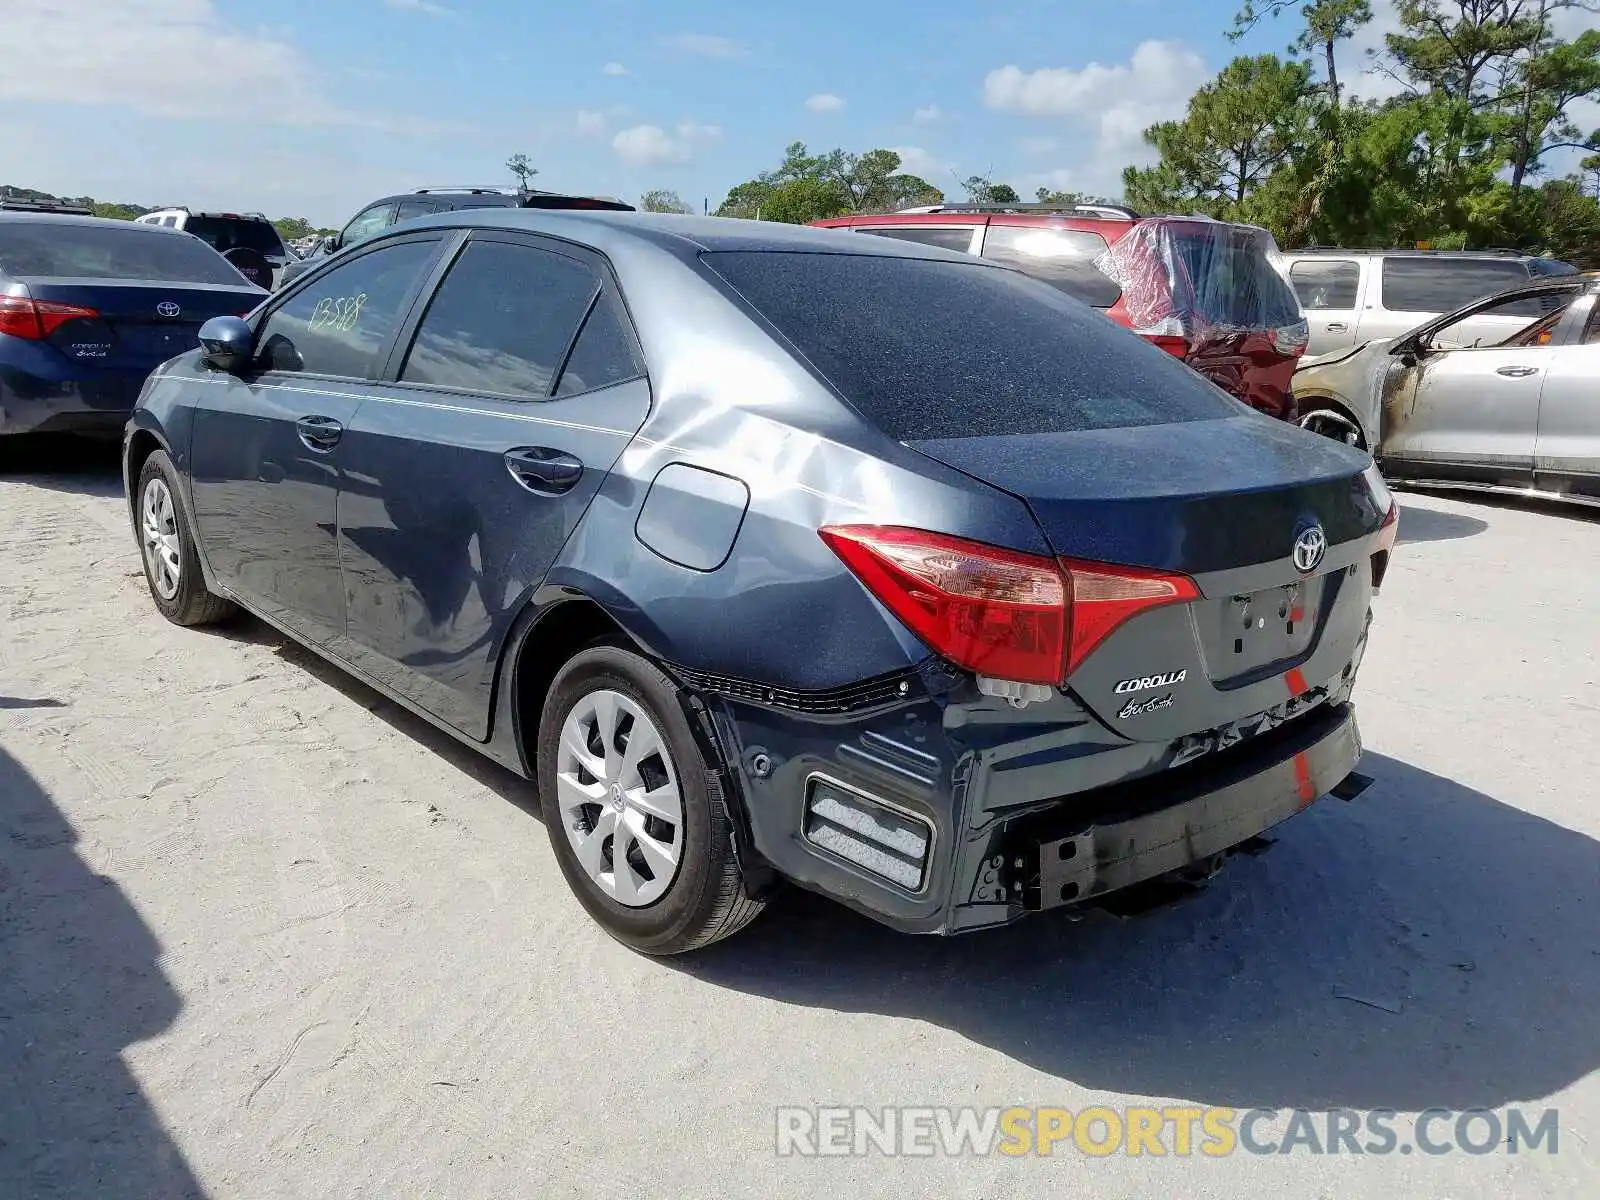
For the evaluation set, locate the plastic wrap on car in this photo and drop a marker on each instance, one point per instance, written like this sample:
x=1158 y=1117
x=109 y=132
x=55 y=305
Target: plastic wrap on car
x=1202 y=280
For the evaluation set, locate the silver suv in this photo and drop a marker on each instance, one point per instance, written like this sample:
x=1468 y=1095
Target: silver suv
x=1354 y=296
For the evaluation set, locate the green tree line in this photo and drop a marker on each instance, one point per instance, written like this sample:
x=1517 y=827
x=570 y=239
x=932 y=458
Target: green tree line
x=290 y=227
x=1458 y=158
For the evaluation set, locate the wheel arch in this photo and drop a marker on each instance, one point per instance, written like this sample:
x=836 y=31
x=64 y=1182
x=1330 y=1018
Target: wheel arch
x=559 y=621
x=1311 y=402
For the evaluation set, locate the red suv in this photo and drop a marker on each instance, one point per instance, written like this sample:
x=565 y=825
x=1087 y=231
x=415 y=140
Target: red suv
x=1206 y=291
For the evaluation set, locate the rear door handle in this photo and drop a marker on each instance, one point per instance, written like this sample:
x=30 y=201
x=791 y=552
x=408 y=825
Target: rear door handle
x=1518 y=372
x=544 y=470
x=319 y=433
x=1338 y=327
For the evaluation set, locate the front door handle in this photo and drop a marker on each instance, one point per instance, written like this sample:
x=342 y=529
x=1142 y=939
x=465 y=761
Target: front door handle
x=1338 y=327
x=543 y=470
x=319 y=433
x=1517 y=372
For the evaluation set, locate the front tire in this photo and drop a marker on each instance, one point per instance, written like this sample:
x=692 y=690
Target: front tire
x=166 y=544
x=634 y=812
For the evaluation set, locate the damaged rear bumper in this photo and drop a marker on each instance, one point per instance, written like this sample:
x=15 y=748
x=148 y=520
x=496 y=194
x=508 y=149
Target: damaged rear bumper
x=1134 y=838
x=975 y=833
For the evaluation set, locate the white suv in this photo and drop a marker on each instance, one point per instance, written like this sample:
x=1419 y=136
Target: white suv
x=248 y=240
x=1355 y=296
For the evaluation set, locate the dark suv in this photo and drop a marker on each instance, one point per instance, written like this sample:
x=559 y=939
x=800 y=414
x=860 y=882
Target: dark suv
x=428 y=201
x=1207 y=292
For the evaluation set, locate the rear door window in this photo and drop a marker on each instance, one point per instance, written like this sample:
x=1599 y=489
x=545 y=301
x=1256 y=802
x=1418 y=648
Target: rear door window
x=946 y=237
x=1063 y=258
x=1326 y=283
x=1441 y=285
x=109 y=251
x=924 y=348
x=502 y=321
x=342 y=322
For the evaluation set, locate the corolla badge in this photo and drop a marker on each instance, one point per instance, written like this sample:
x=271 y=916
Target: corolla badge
x=168 y=308
x=1309 y=547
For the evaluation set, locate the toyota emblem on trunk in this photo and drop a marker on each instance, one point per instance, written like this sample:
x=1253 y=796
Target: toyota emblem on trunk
x=1309 y=547
x=168 y=309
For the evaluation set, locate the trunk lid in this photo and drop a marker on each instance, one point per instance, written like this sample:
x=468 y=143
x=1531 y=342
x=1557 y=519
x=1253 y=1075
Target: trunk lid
x=1224 y=503
x=140 y=324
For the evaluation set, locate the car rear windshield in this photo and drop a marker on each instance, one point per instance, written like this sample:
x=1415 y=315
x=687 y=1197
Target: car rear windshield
x=1185 y=276
x=109 y=251
x=1235 y=283
x=235 y=233
x=929 y=349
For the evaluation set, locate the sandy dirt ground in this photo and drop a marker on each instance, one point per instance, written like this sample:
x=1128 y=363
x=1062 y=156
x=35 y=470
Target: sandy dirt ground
x=262 y=934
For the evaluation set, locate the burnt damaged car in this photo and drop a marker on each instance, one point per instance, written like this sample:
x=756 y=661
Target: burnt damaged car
x=773 y=553
x=1520 y=413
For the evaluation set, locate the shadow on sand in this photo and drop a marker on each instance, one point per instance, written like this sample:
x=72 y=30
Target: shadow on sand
x=79 y=982
x=1474 y=919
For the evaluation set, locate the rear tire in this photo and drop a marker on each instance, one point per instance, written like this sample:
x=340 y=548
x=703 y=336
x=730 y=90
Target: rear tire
x=166 y=544
x=643 y=838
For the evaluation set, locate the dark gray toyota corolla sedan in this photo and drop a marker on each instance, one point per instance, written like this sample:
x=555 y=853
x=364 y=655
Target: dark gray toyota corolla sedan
x=774 y=553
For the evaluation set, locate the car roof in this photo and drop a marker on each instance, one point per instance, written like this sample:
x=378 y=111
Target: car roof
x=91 y=222
x=1313 y=251
x=683 y=235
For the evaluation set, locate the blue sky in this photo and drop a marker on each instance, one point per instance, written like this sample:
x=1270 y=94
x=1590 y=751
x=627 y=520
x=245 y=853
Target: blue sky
x=313 y=107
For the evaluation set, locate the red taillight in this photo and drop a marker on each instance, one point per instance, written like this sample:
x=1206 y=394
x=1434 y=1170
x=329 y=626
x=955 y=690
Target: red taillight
x=1389 y=531
x=22 y=317
x=1178 y=347
x=995 y=612
x=1001 y=613
x=1104 y=598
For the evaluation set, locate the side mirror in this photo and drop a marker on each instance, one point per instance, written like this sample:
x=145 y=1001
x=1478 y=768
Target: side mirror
x=329 y=244
x=225 y=343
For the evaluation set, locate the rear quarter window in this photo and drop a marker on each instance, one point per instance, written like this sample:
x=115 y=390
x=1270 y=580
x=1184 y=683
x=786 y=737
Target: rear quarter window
x=929 y=349
x=1441 y=285
x=945 y=237
x=1063 y=258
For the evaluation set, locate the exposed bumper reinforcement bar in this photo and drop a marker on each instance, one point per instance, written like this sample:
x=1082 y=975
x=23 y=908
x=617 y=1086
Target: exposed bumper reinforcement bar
x=1126 y=849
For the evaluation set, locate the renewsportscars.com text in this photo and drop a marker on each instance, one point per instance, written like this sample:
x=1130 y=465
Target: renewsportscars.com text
x=1098 y=1131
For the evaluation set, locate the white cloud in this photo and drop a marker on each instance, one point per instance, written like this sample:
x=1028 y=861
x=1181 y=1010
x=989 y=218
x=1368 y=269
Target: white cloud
x=422 y=6
x=170 y=58
x=588 y=123
x=651 y=145
x=707 y=45
x=613 y=68
x=926 y=115
x=1037 y=146
x=825 y=102
x=1121 y=100
x=914 y=160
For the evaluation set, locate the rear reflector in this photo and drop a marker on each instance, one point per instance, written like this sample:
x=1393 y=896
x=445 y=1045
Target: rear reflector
x=23 y=317
x=874 y=836
x=996 y=612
